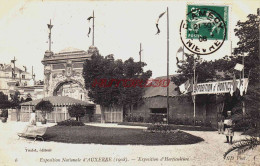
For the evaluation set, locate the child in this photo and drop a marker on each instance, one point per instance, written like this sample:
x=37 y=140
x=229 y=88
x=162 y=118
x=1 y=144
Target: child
x=228 y=128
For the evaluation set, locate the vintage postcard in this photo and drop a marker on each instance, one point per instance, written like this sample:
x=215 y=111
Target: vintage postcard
x=129 y=82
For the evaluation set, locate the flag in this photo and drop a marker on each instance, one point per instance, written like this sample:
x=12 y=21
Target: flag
x=49 y=26
x=89 y=18
x=184 y=88
x=157 y=22
x=140 y=52
x=89 y=30
x=239 y=67
x=12 y=61
x=234 y=85
x=247 y=81
x=180 y=52
x=246 y=84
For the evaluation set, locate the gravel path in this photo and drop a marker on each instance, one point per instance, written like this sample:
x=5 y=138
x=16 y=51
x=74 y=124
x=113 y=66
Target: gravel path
x=209 y=152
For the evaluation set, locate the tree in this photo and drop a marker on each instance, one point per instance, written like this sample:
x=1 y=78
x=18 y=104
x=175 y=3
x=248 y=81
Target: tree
x=45 y=107
x=4 y=102
x=15 y=99
x=107 y=69
x=28 y=97
x=248 y=34
x=77 y=111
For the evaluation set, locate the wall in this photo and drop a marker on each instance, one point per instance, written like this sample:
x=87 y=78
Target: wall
x=179 y=107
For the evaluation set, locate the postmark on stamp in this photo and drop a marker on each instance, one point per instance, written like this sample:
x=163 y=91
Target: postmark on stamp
x=205 y=28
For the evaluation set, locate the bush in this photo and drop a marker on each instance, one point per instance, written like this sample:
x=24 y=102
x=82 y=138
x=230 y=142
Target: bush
x=156 y=119
x=77 y=111
x=45 y=107
x=243 y=124
x=161 y=128
x=131 y=118
x=187 y=121
x=4 y=113
x=70 y=122
x=176 y=121
x=207 y=123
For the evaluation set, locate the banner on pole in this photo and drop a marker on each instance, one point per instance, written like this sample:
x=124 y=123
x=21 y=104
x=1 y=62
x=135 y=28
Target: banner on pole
x=220 y=87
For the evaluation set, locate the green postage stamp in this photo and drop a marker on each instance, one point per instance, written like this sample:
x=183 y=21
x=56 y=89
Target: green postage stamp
x=207 y=22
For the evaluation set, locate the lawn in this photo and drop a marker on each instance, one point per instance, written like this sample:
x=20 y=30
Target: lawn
x=116 y=136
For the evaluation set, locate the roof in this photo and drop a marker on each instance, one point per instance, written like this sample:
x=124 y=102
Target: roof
x=161 y=91
x=70 y=49
x=8 y=68
x=69 y=53
x=58 y=101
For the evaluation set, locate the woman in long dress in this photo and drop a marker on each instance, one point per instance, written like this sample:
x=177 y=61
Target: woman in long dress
x=32 y=120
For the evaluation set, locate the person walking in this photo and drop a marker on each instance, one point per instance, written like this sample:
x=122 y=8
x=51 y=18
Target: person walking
x=228 y=128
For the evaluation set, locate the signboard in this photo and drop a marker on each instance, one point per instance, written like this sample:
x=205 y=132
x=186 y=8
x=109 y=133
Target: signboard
x=220 y=87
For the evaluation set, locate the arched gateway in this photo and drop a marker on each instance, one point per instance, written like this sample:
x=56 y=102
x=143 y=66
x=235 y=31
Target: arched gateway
x=63 y=72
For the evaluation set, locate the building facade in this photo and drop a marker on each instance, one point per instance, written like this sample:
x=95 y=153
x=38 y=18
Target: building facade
x=207 y=111
x=11 y=78
x=60 y=112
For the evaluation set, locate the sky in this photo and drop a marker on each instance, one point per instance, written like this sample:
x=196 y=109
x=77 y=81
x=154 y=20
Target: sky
x=120 y=27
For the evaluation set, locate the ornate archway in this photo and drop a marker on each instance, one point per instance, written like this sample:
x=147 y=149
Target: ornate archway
x=70 y=88
x=65 y=68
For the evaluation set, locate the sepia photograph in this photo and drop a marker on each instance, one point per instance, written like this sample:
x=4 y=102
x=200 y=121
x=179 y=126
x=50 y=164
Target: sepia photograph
x=131 y=82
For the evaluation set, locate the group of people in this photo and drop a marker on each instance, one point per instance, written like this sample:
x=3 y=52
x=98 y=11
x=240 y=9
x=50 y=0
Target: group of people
x=225 y=126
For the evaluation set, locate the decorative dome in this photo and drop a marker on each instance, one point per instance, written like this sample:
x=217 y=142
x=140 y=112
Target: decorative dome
x=93 y=50
x=70 y=49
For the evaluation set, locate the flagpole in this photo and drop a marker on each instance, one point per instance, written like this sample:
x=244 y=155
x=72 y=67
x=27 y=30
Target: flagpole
x=93 y=29
x=140 y=55
x=14 y=67
x=50 y=38
x=50 y=27
x=167 y=65
x=194 y=101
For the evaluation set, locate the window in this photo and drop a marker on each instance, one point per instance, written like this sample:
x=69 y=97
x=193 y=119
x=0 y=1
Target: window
x=23 y=76
x=159 y=110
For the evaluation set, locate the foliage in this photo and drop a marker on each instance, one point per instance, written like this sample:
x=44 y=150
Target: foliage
x=77 y=111
x=45 y=106
x=15 y=99
x=243 y=145
x=28 y=97
x=248 y=34
x=106 y=68
x=190 y=121
x=131 y=118
x=162 y=128
x=4 y=113
x=4 y=103
x=70 y=122
x=156 y=119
